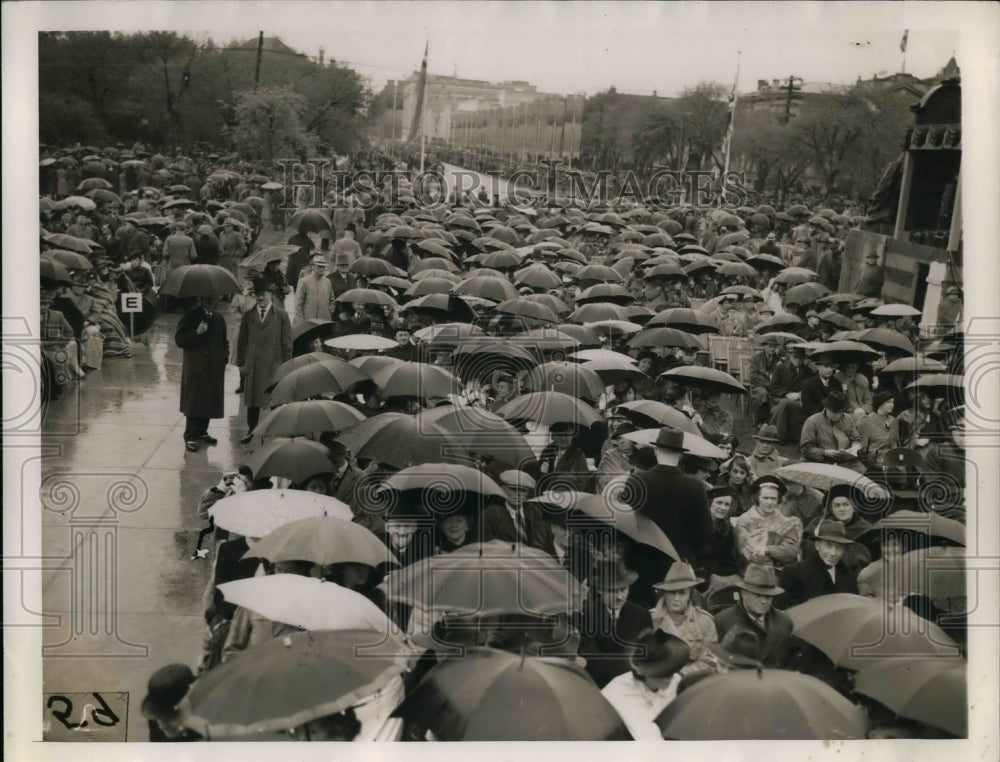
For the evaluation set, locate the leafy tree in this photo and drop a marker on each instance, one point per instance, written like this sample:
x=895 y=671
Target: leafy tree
x=270 y=125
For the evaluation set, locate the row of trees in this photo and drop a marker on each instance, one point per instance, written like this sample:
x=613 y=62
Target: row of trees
x=838 y=142
x=166 y=89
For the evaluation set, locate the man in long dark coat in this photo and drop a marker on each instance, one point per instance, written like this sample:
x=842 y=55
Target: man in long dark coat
x=819 y=573
x=264 y=342
x=201 y=333
x=677 y=503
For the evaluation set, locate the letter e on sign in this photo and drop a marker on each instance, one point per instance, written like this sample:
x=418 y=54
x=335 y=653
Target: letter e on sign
x=131 y=302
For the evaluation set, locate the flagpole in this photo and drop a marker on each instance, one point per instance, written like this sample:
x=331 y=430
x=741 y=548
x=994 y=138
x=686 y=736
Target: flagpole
x=732 y=116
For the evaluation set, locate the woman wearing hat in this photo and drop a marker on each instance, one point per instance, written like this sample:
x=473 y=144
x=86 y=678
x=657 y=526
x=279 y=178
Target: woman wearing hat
x=718 y=562
x=764 y=534
x=879 y=430
x=840 y=505
x=676 y=614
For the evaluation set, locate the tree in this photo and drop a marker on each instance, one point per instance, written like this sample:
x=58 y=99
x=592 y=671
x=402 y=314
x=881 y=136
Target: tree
x=705 y=111
x=829 y=126
x=269 y=125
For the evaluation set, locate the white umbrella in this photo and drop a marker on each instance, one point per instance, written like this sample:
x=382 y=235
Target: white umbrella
x=361 y=341
x=258 y=513
x=306 y=602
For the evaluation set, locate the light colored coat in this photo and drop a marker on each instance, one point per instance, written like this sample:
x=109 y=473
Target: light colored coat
x=313 y=298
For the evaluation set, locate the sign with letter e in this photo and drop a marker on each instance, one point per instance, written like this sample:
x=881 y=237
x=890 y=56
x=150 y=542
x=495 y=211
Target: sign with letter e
x=131 y=302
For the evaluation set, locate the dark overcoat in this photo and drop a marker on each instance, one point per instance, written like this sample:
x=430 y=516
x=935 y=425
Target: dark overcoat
x=808 y=579
x=774 y=637
x=260 y=348
x=204 y=370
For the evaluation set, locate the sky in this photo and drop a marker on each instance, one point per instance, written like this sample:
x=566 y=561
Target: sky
x=635 y=47
x=573 y=47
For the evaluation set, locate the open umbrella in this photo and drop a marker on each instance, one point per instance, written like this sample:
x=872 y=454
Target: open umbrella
x=640 y=412
x=309 y=220
x=448 y=333
x=795 y=275
x=200 y=280
x=426 y=286
x=479 y=359
x=500 y=580
x=585 y=355
x=305 y=602
x=367 y=296
x=805 y=293
x=294 y=459
x=404 y=442
x=549 y=408
x=683 y=319
x=606 y=509
x=414 y=379
x=479 y=432
x=737 y=270
x=329 y=376
x=261 y=257
x=533 y=311
x=605 y=293
x=595 y=311
x=914 y=365
x=290 y=680
x=537 y=276
x=542 y=340
x=780 y=322
x=108 y=197
x=937 y=572
x=825 y=476
x=442 y=307
x=372 y=267
x=931 y=691
x=892 y=342
x=939 y=383
x=766 y=262
x=706 y=379
x=70 y=259
x=259 y=512
x=306 y=330
x=765 y=704
x=78 y=202
x=443 y=477
x=498 y=696
x=361 y=342
x=665 y=337
x=307 y=417
x=54 y=270
x=836 y=319
x=566 y=377
x=601 y=273
x=485 y=287
x=853 y=631
x=895 y=311
x=69 y=242
x=842 y=352
x=322 y=540
x=931 y=524
x=611 y=372
x=584 y=334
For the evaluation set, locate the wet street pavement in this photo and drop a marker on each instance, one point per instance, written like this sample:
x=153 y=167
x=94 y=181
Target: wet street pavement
x=120 y=494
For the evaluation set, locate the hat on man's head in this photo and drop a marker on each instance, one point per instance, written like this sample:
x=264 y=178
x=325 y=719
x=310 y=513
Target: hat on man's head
x=658 y=654
x=760 y=579
x=262 y=286
x=670 y=439
x=680 y=577
x=562 y=427
x=626 y=427
x=611 y=575
x=836 y=402
x=832 y=531
x=769 y=480
x=166 y=689
x=229 y=221
x=772 y=237
x=515 y=478
x=318 y=259
x=767 y=433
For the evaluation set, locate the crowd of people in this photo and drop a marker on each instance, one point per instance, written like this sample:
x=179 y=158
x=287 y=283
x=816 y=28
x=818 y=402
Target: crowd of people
x=685 y=413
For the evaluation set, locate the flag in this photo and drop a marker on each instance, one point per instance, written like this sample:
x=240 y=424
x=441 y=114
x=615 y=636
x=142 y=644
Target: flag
x=902 y=42
x=733 y=97
x=418 y=112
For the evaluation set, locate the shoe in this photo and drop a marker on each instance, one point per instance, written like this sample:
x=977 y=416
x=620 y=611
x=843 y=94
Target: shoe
x=247 y=439
x=239 y=390
x=191 y=446
x=208 y=439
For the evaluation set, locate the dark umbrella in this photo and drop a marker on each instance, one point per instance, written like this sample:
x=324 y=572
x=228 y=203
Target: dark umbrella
x=200 y=280
x=367 y=296
x=306 y=330
x=665 y=337
x=595 y=311
x=53 y=270
x=892 y=342
x=100 y=194
x=310 y=220
x=612 y=293
x=70 y=259
x=659 y=413
x=853 y=630
x=294 y=459
x=450 y=477
x=537 y=276
x=307 y=417
x=766 y=704
x=567 y=377
x=328 y=377
x=323 y=540
x=69 y=242
x=481 y=358
x=261 y=257
x=779 y=323
x=403 y=442
x=371 y=267
x=706 y=379
x=805 y=293
x=480 y=432
x=485 y=287
x=843 y=351
x=524 y=309
x=931 y=691
x=415 y=379
x=472 y=699
x=549 y=408
x=930 y=524
x=684 y=319
x=290 y=680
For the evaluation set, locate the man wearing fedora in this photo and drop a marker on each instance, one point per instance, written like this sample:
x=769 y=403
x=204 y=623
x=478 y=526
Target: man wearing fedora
x=314 y=293
x=786 y=394
x=167 y=688
x=830 y=435
x=755 y=611
x=677 y=503
x=817 y=387
x=609 y=622
x=822 y=572
x=642 y=693
x=263 y=343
